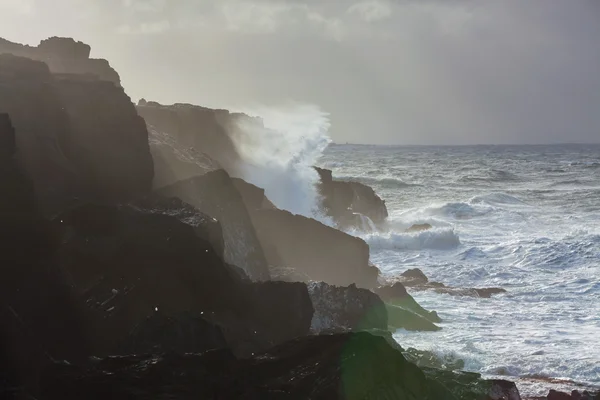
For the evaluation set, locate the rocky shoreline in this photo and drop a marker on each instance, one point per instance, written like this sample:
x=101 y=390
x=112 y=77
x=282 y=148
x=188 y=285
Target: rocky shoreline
x=136 y=263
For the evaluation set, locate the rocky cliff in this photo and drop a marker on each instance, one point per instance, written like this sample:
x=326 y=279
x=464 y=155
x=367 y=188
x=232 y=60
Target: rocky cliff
x=78 y=138
x=64 y=55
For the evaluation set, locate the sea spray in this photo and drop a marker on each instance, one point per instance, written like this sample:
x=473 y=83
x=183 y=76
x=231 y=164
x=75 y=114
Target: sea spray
x=278 y=155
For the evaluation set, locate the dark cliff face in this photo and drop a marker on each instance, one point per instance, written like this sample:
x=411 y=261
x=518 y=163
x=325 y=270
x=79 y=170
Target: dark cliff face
x=195 y=128
x=78 y=138
x=322 y=253
x=64 y=55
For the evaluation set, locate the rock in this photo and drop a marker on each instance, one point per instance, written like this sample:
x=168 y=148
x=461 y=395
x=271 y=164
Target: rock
x=343 y=201
x=64 y=56
x=428 y=359
x=308 y=246
x=128 y=264
x=415 y=276
x=419 y=228
x=174 y=162
x=400 y=318
x=341 y=366
x=215 y=194
x=40 y=319
x=398 y=296
x=109 y=143
x=181 y=334
x=253 y=196
x=78 y=139
x=346 y=308
x=205 y=226
x=415 y=279
x=193 y=127
x=575 y=395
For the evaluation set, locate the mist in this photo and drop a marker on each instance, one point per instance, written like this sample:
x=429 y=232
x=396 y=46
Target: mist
x=387 y=72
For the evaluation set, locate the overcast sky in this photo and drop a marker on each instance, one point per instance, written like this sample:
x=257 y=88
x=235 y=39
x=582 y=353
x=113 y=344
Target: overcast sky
x=387 y=71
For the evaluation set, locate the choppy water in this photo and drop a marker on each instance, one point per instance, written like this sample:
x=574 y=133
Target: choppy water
x=525 y=218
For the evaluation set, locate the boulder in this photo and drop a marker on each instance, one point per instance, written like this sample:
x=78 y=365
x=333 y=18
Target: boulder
x=345 y=308
x=344 y=201
x=419 y=228
x=64 y=56
x=401 y=318
x=215 y=194
x=397 y=295
x=308 y=246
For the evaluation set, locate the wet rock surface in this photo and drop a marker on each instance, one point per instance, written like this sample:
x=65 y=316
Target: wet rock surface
x=344 y=201
x=415 y=279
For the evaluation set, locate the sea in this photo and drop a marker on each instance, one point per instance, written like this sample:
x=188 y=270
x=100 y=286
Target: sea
x=523 y=218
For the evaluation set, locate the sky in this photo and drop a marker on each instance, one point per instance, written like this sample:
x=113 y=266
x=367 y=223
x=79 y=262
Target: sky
x=386 y=71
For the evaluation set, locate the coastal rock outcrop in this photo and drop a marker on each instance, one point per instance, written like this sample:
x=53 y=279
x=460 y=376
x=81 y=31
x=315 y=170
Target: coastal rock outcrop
x=198 y=129
x=128 y=265
x=397 y=295
x=64 y=55
x=340 y=366
x=415 y=279
x=78 y=138
x=346 y=308
x=308 y=246
x=344 y=201
x=215 y=194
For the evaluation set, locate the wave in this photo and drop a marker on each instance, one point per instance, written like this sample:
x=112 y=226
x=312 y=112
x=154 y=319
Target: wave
x=278 y=156
x=492 y=175
x=496 y=198
x=386 y=181
x=437 y=239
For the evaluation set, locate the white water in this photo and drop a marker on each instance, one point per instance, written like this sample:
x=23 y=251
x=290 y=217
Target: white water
x=526 y=219
x=280 y=156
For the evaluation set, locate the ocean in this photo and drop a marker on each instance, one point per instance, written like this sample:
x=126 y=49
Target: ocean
x=523 y=218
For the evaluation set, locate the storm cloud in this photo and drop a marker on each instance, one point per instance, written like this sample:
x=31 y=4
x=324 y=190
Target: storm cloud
x=401 y=72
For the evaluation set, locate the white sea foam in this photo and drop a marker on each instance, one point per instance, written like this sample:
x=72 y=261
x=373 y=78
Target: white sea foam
x=534 y=233
x=279 y=156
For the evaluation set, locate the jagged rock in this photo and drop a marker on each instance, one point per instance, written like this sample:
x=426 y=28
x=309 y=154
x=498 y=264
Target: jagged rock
x=78 y=139
x=344 y=201
x=401 y=318
x=346 y=308
x=398 y=296
x=39 y=316
x=253 y=196
x=419 y=227
x=428 y=359
x=128 y=264
x=205 y=226
x=286 y=274
x=308 y=246
x=341 y=366
x=193 y=127
x=415 y=279
x=64 y=55
x=173 y=334
x=109 y=142
x=215 y=194
x=174 y=162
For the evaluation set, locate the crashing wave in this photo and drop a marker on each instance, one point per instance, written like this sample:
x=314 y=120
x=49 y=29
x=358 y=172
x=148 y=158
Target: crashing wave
x=437 y=239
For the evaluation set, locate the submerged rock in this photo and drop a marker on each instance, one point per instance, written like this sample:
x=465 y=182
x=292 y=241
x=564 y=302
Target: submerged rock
x=419 y=228
x=415 y=279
